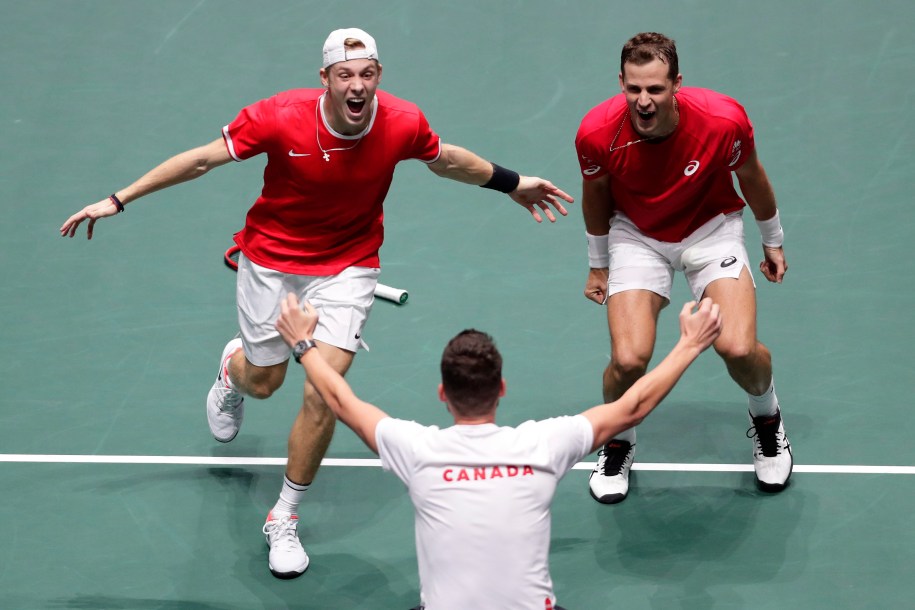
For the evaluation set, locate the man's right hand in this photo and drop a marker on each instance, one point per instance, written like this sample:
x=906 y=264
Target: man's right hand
x=296 y=321
x=700 y=328
x=596 y=286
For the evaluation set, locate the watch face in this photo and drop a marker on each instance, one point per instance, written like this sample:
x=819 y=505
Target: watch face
x=300 y=348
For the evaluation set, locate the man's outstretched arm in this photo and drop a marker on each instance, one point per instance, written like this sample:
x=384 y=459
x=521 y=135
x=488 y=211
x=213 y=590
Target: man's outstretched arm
x=530 y=192
x=296 y=324
x=697 y=331
x=182 y=167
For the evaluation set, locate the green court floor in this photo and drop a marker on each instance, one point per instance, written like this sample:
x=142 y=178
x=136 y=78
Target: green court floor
x=115 y=496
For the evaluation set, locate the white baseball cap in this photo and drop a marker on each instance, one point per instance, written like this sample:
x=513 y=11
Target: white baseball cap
x=335 y=51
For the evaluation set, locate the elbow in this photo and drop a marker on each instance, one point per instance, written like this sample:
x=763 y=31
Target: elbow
x=201 y=166
x=635 y=420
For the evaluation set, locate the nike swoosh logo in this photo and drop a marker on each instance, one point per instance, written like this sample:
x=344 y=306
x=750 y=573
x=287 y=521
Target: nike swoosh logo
x=295 y=154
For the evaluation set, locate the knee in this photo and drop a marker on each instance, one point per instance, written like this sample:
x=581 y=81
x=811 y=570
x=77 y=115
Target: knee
x=737 y=353
x=628 y=366
x=262 y=389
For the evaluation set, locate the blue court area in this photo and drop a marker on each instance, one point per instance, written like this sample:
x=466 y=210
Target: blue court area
x=114 y=495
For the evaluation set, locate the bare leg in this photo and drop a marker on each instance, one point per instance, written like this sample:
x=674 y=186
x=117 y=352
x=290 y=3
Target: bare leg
x=750 y=364
x=632 y=317
x=308 y=441
x=748 y=361
x=256 y=381
x=313 y=428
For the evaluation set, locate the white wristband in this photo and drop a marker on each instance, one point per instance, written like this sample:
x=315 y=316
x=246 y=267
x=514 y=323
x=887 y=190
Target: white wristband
x=771 y=231
x=598 y=251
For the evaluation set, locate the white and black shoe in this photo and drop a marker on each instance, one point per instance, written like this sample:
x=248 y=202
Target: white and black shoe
x=772 y=458
x=609 y=481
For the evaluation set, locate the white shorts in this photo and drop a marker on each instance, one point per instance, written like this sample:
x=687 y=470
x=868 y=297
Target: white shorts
x=713 y=251
x=343 y=301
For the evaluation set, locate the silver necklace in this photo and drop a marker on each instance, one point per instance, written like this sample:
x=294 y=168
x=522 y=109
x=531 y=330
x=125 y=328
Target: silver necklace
x=626 y=118
x=327 y=151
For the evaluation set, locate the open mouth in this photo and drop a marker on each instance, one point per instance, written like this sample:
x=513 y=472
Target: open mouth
x=646 y=116
x=356 y=104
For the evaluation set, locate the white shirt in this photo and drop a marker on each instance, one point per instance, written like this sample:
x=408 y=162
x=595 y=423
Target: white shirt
x=482 y=497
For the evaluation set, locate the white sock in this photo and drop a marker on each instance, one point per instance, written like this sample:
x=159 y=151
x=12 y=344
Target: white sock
x=290 y=496
x=626 y=435
x=766 y=404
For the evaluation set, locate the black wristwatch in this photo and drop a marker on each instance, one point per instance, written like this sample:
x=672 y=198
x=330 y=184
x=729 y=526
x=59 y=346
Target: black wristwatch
x=300 y=348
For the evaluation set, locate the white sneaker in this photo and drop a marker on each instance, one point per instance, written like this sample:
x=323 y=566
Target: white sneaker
x=609 y=481
x=225 y=406
x=772 y=458
x=287 y=558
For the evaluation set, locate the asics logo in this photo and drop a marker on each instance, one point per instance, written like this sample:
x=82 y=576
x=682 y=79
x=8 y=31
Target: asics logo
x=591 y=170
x=728 y=261
x=692 y=168
x=292 y=153
x=735 y=154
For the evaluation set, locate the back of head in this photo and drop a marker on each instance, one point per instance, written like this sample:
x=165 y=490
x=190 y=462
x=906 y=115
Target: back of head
x=648 y=46
x=472 y=373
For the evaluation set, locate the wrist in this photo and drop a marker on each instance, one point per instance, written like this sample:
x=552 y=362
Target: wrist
x=598 y=251
x=113 y=198
x=302 y=347
x=502 y=180
x=773 y=236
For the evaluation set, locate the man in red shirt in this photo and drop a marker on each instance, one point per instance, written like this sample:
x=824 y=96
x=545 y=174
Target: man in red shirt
x=658 y=197
x=315 y=231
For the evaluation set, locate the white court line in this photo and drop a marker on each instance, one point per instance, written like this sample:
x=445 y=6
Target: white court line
x=376 y=463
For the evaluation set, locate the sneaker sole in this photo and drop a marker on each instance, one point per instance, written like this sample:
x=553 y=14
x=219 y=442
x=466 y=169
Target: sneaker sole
x=227 y=440
x=288 y=575
x=774 y=488
x=609 y=498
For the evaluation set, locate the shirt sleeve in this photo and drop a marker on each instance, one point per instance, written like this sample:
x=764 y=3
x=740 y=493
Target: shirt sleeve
x=740 y=141
x=395 y=438
x=427 y=145
x=252 y=130
x=588 y=156
x=570 y=438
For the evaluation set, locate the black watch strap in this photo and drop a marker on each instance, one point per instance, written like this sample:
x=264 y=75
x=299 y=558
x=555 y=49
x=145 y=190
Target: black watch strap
x=300 y=348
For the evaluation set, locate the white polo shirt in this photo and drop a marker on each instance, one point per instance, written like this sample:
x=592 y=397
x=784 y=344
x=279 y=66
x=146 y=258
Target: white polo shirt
x=482 y=497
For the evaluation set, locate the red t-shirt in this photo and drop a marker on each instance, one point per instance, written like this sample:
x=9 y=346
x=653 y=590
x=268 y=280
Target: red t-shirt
x=317 y=216
x=671 y=187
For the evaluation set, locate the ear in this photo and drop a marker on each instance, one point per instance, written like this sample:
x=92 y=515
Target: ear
x=380 y=68
x=441 y=393
x=324 y=77
x=678 y=82
x=502 y=388
x=622 y=86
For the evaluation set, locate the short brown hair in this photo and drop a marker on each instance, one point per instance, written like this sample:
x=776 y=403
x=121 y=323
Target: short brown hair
x=472 y=372
x=646 y=47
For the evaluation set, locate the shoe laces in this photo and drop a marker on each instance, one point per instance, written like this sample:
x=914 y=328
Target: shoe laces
x=765 y=432
x=228 y=399
x=613 y=457
x=282 y=533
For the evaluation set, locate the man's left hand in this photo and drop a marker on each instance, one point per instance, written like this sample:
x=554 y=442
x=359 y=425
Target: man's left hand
x=774 y=265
